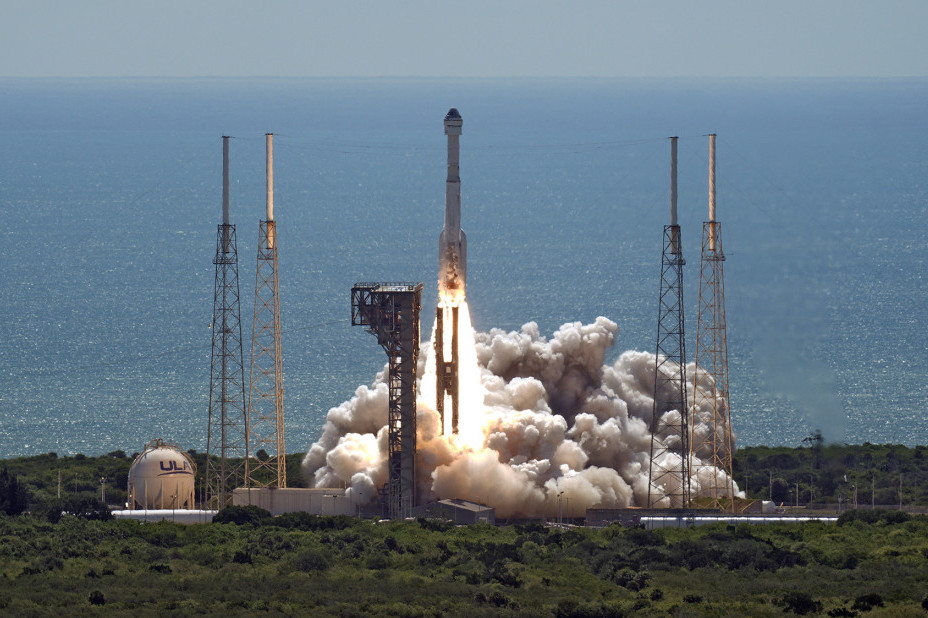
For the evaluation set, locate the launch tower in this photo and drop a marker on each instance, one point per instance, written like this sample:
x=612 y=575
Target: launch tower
x=452 y=281
x=266 y=396
x=713 y=447
x=226 y=444
x=391 y=312
x=669 y=454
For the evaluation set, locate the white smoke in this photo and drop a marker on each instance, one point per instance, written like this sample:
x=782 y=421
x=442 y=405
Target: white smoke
x=557 y=426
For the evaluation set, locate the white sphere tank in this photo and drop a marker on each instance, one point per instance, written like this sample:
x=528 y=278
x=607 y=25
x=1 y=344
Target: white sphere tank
x=162 y=477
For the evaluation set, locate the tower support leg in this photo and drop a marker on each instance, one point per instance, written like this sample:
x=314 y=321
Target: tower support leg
x=669 y=455
x=713 y=447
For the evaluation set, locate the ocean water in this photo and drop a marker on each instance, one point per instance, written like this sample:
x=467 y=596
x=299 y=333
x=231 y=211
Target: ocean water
x=110 y=193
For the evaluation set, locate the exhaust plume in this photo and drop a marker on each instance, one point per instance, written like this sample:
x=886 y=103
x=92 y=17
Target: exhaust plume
x=546 y=420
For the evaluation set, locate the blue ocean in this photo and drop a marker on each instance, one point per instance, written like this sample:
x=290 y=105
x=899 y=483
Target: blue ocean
x=110 y=194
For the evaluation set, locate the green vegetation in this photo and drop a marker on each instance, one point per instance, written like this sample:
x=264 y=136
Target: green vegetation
x=873 y=562
x=829 y=474
x=303 y=564
x=14 y=498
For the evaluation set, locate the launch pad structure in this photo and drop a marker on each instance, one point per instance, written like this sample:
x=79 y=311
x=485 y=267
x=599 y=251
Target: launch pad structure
x=715 y=447
x=226 y=443
x=391 y=312
x=266 y=395
x=669 y=453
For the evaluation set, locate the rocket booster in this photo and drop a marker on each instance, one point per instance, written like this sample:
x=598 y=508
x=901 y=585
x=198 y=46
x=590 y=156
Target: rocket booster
x=452 y=244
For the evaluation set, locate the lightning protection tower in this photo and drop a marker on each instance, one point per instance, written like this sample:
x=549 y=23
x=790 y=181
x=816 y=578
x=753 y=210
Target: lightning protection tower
x=668 y=471
x=226 y=445
x=712 y=444
x=391 y=311
x=266 y=396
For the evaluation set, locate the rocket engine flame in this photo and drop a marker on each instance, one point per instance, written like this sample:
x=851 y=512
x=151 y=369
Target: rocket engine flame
x=540 y=419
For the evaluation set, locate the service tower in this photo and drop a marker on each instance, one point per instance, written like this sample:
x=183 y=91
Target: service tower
x=391 y=312
x=452 y=282
x=669 y=470
x=713 y=447
x=267 y=464
x=226 y=442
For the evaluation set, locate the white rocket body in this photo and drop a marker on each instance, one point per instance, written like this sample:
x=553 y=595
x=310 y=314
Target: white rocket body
x=452 y=244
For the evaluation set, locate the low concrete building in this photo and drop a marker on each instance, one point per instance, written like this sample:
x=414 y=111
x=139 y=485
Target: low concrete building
x=292 y=499
x=457 y=511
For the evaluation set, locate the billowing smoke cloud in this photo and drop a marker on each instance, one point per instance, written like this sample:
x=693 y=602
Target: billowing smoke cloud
x=555 y=423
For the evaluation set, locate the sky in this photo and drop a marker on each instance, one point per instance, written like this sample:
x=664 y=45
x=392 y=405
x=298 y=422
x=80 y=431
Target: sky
x=469 y=38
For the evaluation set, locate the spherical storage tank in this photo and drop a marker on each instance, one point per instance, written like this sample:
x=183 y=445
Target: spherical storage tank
x=162 y=478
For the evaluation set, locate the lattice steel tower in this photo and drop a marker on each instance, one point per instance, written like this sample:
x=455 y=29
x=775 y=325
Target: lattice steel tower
x=266 y=396
x=226 y=445
x=712 y=443
x=391 y=311
x=668 y=473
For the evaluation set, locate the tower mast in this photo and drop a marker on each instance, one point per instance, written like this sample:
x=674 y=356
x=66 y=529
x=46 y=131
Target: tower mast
x=266 y=396
x=712 y=446
x=668 y=473
x=226 y=444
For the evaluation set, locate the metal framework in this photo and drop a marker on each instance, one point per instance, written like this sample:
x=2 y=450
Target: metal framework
x=668 y=470
x=391 y=312
x=714 y=447
x=446 y=370
x=226 y=446
x=266 y=396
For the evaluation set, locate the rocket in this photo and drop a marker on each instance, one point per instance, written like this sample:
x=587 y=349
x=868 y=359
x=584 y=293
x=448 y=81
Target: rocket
x=452 y=244
x=452 y=284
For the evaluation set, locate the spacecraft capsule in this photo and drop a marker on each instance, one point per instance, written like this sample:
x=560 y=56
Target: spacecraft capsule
x=452 y=244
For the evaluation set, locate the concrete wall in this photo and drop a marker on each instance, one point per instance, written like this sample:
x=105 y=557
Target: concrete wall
x=293 y=499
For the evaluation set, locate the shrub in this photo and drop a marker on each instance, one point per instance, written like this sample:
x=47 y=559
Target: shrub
x=644 y=538
x=505 y=574
x=378 y=562
x=435 y=525
x=692 y=598
x=873 y=516
x=866 y=602
x=572 y=609
x=628 y=578
x=640 y=604
x=242 y=557
x=43 y=564
x=312 y=559
x=240 y=515
x=13 y=496
x=799 y=603
x=306 y=521
x=498 y=599
x=96 y=598
x=84 y=507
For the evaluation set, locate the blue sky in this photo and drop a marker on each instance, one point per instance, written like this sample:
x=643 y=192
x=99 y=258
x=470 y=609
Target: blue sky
x=469 y=38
